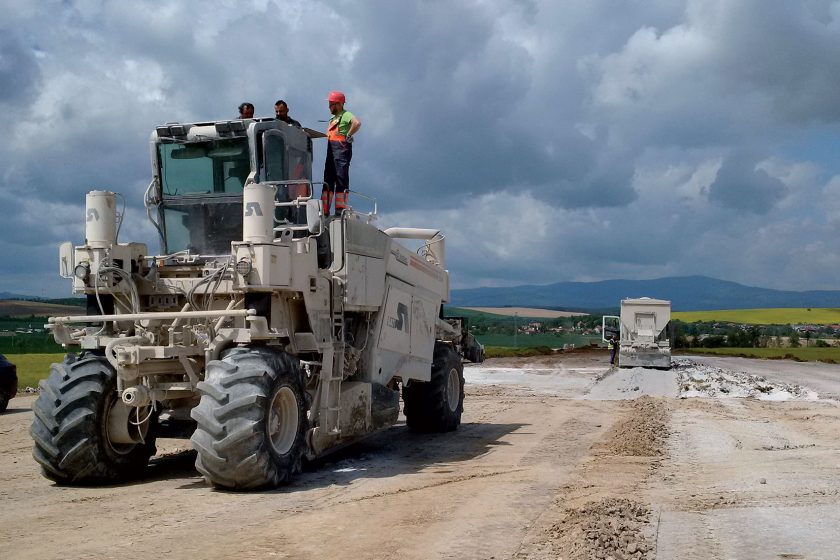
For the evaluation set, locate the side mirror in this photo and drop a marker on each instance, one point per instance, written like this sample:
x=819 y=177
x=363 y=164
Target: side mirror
x=313 y=216
x=65 y=260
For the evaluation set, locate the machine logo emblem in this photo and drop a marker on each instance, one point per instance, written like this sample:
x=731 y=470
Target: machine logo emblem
x=92 y=215
x=401 y=319
x=253 y=209
x=400 y=258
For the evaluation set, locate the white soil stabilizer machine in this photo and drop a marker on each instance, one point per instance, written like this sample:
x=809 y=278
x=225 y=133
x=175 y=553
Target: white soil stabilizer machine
x=642 y=333
x=264 y=332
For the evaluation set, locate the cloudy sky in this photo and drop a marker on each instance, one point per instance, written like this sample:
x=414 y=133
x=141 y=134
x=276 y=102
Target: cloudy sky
x=551 y=140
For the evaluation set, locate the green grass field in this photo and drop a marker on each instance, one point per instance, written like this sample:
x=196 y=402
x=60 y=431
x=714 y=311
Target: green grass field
x=33 y=367
x=771 y=316
x=828 y=355
x=532 y=340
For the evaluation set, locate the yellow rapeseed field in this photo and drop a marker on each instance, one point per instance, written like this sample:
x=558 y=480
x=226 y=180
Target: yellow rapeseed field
x=770 y=316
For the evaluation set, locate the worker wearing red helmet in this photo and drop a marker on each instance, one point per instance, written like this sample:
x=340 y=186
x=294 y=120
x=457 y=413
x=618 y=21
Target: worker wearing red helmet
x=340 y=130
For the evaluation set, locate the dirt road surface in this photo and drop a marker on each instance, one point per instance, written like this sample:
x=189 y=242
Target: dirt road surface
x=557 y=457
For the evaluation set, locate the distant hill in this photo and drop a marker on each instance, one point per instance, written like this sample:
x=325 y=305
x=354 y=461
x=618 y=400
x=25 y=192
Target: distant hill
x=25 y=308
x=10 y=295
x=689 y=293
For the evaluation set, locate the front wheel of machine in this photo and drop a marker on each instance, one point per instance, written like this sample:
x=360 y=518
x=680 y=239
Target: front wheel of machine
x=4 y=404
x=251 y=420
x=83 y=432
x=436 y=405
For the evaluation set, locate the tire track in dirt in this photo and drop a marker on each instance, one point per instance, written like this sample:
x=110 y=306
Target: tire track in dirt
x=746 y=478
x=527 y=475
x=602 y=514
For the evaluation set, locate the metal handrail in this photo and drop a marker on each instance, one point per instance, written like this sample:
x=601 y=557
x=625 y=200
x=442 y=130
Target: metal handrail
x=297 y=202
x=375 y=212
x=152 y=315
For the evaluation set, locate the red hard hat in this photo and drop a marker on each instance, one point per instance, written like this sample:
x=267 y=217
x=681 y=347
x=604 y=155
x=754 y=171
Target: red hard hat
x=336 y=97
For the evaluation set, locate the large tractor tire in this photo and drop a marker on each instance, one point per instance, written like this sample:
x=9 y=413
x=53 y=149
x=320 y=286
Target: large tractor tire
x=83 y=432
x=436 y=405
x=4 y=403
x=252 y=420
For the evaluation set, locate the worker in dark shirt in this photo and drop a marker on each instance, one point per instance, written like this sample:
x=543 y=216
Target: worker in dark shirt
x=246 y=110
x=281 y=111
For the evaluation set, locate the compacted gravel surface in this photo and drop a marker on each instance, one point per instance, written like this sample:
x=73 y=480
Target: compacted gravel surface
x=557 y=457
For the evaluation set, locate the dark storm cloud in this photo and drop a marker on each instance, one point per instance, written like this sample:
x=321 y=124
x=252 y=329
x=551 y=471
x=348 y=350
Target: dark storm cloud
x=19 y=71
x=729 y=72
x=552 y=140
x=741 y=185
x=458 y=84
x=677 y=88
x=452 y=83
x=786 y=58
x=604 y=183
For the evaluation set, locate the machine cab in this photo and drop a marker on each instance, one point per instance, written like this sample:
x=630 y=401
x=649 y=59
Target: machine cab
x=201 y=169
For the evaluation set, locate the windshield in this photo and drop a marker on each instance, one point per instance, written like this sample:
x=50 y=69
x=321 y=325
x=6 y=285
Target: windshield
x=204 y=227
x=202 y=184
x=214 y=166
x=201 y=187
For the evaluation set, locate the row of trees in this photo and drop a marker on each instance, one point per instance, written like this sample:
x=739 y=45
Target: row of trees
x=481 y=324
x=683 y=335
x=717 y=335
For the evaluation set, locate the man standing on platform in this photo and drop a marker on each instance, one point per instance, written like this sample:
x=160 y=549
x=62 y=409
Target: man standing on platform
x=340 y=132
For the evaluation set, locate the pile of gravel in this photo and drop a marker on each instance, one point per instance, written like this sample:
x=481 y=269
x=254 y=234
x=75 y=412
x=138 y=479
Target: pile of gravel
x=700 y=380
x=612 y=528
x=642 y=432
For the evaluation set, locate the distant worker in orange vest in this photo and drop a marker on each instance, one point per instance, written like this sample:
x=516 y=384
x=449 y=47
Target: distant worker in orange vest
x=342 y=127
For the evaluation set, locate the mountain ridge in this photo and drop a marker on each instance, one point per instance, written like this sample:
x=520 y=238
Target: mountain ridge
x=686 y=293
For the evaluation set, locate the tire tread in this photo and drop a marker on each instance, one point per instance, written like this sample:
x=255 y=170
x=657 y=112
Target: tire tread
x=232 y=446
x=426 y=407
x=67 y=427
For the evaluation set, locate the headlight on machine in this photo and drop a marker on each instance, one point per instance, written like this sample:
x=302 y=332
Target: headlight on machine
x=244 y=267
x=82 y=271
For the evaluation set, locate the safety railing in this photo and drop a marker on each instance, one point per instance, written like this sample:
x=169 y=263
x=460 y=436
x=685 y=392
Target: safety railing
x=281 y=225
x=369 y=216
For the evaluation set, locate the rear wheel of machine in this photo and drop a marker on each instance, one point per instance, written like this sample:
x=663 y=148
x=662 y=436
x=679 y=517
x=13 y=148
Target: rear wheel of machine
x=4 y=403
x=436 y=405
x=251 y=420
x=83 y=432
